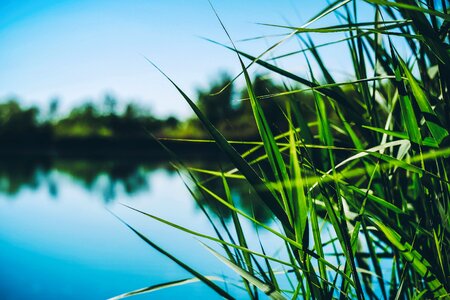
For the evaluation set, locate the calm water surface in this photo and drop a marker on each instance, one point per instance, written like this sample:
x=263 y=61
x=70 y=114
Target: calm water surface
x=59 y=241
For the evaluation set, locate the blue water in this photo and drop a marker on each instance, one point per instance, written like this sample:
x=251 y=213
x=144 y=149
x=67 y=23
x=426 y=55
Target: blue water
x=59 y=239
x=67 y=245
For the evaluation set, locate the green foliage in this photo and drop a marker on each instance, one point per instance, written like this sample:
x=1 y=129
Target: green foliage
x=362 y=187
x=17 y=123
x=85 y=121
x=217 y=106
x=89 y=121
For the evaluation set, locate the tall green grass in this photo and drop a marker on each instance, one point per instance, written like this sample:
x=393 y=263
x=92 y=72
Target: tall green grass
x=362 y=189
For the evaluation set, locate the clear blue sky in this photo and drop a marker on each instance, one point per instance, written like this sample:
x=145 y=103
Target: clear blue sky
x=77 y=50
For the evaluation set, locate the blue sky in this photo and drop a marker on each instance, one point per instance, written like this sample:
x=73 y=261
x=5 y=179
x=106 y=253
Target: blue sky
x=78 y=50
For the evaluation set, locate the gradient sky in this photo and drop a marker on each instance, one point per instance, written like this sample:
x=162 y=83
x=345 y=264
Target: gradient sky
x=78 y=50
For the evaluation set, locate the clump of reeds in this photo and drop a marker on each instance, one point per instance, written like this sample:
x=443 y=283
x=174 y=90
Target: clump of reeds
x=372 y=169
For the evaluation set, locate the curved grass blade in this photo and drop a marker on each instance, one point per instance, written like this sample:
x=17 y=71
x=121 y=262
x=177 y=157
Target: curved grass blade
x=437 y=131
x=421 y=265
x=264 y=287
x=201 y=277
x=411 y=7
x=241 y=164
x=211 y=238
x=161 y=286
x=281 y=236
x=338 y=97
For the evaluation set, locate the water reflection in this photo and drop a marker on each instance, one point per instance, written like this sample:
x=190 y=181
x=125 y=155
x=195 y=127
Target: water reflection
x=104 y=177
x=16 y=174
x=57 y=238
x=44 y=225
x=107 y=179
x=243 y=197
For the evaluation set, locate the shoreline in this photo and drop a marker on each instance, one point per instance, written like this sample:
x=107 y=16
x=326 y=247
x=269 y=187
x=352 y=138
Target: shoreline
x=110 y=148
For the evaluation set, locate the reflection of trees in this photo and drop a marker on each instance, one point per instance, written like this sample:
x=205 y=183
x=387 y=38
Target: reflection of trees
x=105 y=177
x=242 y=195
x=108 y=177
x=23 y=173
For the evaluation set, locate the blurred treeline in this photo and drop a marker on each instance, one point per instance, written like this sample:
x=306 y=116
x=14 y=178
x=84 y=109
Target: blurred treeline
x=227 y=109
x=85 y=121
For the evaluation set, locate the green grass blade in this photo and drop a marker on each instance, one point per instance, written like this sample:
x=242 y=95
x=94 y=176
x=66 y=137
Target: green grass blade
x=161 y=286
x=264 y=287
x=412 y=7
x=437 y=131
x=201 y=277
x=240 y=163
x=422 y=267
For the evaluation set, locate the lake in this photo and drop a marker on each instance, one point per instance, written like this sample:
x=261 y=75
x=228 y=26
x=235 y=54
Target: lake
x=59 y=240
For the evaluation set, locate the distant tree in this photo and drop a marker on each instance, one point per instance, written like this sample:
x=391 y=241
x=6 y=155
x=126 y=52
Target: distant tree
x=53 y=108
x=110 y=103
x=18 y=123
x=172 y=122
x=134 y=111
x=85 y=111
x=217 y=107
x=264 y=88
